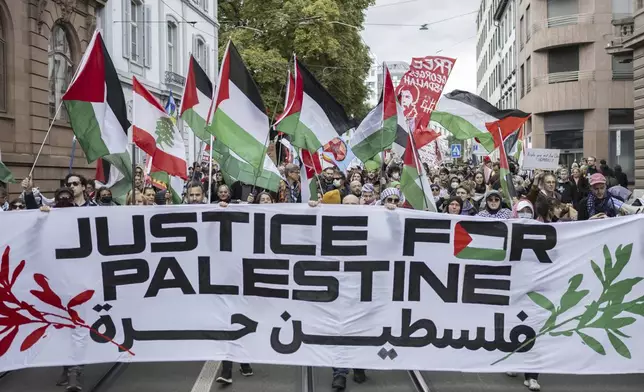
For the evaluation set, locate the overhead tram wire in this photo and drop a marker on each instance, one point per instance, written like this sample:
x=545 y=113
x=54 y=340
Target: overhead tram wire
x=392 y=4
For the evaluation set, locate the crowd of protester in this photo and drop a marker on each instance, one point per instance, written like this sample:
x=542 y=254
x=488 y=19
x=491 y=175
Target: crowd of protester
x=584 y=191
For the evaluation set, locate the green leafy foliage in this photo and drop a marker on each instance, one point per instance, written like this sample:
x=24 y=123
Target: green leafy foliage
x=320 y=32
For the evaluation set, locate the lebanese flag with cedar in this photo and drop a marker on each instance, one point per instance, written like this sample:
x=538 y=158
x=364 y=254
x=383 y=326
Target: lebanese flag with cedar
x=155 y=133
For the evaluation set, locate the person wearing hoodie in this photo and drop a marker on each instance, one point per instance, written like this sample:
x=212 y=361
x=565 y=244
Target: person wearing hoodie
x=454 y=206
x=493 y=208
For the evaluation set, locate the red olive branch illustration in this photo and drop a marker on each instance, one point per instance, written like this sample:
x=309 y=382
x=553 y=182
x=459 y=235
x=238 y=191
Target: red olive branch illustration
x=15 y=313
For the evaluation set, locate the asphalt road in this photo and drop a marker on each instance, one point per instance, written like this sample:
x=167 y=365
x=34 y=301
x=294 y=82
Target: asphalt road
x=199 y=376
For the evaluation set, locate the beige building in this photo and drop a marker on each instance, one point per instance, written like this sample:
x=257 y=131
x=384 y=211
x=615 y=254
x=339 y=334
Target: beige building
x=627 y=46
x=580 y=96
x=41 y=43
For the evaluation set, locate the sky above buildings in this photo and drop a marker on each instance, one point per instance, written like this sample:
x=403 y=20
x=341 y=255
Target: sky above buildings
x=453 y=38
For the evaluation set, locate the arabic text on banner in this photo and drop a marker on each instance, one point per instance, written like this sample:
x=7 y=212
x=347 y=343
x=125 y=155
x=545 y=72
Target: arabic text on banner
x=335 y=286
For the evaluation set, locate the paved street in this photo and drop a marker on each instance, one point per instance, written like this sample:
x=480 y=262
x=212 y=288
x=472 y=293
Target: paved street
x=189 y=377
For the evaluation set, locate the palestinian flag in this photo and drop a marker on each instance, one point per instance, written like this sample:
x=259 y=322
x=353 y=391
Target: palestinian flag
x=313 y=117
x=197 y=100
x=382 y=126
x=290 y=93
x=5 y=174
x=310 y=169
x=464 y=115
x=109 y=176
x=507 y=185
x=237 y=169
x=239 y=120
x=97 y=110
x=155 y=133
x=486 y=241
x=414 y=183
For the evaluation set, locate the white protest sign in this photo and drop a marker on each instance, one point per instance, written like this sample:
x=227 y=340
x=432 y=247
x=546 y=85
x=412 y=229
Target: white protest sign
x=541 y=158
x=339 y=286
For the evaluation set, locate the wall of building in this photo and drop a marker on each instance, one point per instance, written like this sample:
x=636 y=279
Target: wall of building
x=593 y=92
x=496 y=53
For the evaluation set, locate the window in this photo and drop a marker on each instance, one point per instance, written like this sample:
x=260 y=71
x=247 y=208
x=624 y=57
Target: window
x=622 y=9
x=521 y=76
x=528 y=74
x=622 y=68
x=173 y=42
x=560 y=8
x=60 y=69
x=640 y=4
x=201 y=52
x=521 y=31
x=137 y=32
x=527 y=23
x=565 y=59
x=3 y=70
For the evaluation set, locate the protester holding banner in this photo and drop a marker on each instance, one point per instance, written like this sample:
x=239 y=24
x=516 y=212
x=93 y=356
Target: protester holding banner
x=493 y=207
x=598 y=203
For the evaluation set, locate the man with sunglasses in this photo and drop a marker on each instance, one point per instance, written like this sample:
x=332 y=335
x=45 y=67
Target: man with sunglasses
x=77 y=183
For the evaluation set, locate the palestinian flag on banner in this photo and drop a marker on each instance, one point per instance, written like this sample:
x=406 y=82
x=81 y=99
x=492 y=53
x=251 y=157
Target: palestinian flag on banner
x=383 y=125
x=239 y=119
x=464 y=115
x=507 y=185
x=414 y=183
x=197 y=100
x=237 y=169
x=313 y=117
x=310 y=168
x=155 y=133
x=484 y=241
x=98 y=117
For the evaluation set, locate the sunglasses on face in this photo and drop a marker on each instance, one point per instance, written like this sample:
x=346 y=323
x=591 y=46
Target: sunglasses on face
x=494 y=200
x=18 y=206
x=392 y=200
x=73 y=183
x=435 y=190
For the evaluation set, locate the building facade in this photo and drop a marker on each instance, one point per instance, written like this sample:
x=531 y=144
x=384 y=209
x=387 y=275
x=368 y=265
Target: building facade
x=372 y=82
x=626 y=46
x=496 y=53
x=153 y=40
x=397 y=69
x=41 y=45
x=581 y=97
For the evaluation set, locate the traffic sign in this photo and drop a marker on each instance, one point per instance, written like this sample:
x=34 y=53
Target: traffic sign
x=456 y=150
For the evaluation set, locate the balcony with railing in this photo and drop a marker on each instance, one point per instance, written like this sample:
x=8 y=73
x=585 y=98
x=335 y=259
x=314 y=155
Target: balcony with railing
x=623 y=30
x=174 y=79
x=566 y=20
x=563 y=77
x=546 y=33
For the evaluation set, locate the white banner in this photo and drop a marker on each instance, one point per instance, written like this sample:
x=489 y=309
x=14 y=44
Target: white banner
x=359 y=287
x=541 y=158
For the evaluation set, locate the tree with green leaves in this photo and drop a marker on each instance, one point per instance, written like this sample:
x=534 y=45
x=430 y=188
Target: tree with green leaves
x=325 y=35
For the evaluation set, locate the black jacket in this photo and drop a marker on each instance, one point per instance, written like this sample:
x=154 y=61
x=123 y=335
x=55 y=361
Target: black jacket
x=622 y=178
x=578 y=190
x=565 y=190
